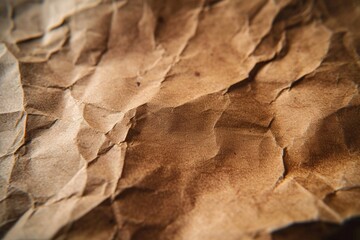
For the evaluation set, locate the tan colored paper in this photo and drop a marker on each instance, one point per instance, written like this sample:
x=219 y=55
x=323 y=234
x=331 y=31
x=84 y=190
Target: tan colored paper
x=187 y=119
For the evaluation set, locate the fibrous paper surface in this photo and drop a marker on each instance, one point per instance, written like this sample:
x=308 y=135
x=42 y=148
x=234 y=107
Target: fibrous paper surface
x=191 y=119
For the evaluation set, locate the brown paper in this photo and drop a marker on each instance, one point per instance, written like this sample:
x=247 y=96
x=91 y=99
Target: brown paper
x=177 y=119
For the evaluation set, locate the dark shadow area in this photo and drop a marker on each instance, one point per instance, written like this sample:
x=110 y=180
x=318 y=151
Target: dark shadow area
x=349 y=230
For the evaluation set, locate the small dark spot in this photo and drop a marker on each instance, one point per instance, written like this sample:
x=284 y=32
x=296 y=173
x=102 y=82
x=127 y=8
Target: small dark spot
x=138 y=84
x=160 y=20
x=234 y=153
x=197 y=74
x=221 y=59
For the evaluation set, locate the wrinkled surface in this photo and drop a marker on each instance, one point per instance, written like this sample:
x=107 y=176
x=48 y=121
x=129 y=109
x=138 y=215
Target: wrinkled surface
x=177 y=119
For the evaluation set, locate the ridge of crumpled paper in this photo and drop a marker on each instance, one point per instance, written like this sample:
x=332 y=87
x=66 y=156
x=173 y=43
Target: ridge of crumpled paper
x=177 y=119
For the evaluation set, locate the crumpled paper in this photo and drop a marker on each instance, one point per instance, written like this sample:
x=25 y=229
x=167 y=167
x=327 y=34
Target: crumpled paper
x=151 y=119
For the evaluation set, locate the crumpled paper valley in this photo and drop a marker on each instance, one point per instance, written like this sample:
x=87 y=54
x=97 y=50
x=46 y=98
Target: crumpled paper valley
x=191 y=119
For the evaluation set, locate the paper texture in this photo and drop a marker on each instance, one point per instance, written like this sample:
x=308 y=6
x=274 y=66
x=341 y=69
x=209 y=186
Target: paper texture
x=177 y=119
